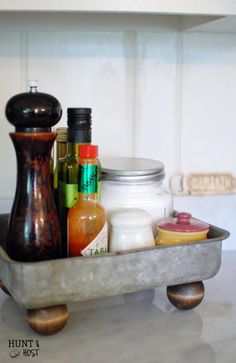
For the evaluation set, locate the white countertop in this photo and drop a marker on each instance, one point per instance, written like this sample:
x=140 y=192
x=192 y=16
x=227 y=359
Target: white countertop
x=110 y=330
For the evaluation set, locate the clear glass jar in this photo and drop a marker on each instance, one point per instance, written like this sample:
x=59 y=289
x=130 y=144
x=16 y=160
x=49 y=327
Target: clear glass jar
x=135 y=183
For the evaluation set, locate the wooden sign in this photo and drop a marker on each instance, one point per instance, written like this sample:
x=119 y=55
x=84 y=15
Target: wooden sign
x=203 y=184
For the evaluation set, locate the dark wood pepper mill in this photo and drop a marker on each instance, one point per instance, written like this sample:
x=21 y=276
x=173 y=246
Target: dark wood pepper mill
x=34 y=230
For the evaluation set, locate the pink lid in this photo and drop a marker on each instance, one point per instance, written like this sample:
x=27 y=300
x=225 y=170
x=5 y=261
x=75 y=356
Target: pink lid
x=183 y=223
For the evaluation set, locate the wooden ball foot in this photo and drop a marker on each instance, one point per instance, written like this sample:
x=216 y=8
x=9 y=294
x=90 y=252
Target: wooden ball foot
x=186 y=296
x=3 y=287
x=47 y=321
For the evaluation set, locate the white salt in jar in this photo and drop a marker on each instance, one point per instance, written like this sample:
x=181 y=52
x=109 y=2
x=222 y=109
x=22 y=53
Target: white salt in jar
x=135 y=183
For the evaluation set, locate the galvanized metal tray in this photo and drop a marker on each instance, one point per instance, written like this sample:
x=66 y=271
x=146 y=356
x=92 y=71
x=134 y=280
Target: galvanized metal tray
x=48 y=283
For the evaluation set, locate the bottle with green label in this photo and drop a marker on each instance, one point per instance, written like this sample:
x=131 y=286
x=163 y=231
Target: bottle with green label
x=78 y=133
x=86 y=221
x=61 y=151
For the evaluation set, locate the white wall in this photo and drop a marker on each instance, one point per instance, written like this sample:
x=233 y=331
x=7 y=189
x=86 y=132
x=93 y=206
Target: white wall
x=163 y=94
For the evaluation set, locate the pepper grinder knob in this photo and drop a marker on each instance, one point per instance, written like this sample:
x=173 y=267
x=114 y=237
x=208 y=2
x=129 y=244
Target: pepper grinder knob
x=33 y=111
x=33 y=84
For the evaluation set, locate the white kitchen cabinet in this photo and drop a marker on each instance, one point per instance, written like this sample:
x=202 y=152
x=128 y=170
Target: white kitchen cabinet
x=219 y=7
x=160 y=77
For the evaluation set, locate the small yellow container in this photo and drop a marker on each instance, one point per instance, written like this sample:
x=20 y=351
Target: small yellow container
x=182 y=229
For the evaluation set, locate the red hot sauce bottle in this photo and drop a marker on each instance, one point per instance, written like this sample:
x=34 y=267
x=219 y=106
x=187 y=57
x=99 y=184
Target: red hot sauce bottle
x=87 y=224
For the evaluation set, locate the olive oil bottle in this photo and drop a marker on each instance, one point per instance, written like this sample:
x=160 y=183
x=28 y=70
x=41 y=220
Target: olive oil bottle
x=78 y=133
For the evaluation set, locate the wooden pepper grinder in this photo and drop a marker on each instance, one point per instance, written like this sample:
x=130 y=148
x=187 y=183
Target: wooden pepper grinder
x=34 y=230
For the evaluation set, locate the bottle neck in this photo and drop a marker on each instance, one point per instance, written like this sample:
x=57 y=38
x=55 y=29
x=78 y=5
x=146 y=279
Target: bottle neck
x=61 y=150
x=88 y=196
x=79 y=136
x=73 y=149
x=75 y=138
x=88 y=178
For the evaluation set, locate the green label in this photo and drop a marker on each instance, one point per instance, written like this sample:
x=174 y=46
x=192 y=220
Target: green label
x=88 y=179
x=99 y=181
x=68 y=194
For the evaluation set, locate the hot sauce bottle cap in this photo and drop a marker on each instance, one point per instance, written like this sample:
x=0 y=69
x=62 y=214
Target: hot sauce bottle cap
x=88 y=151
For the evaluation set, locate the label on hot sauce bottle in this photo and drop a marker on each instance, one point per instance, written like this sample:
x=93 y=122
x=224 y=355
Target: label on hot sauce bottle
x=99 y=245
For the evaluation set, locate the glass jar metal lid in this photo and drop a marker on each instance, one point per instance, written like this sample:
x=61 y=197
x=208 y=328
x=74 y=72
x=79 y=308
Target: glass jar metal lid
x=132 y=170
